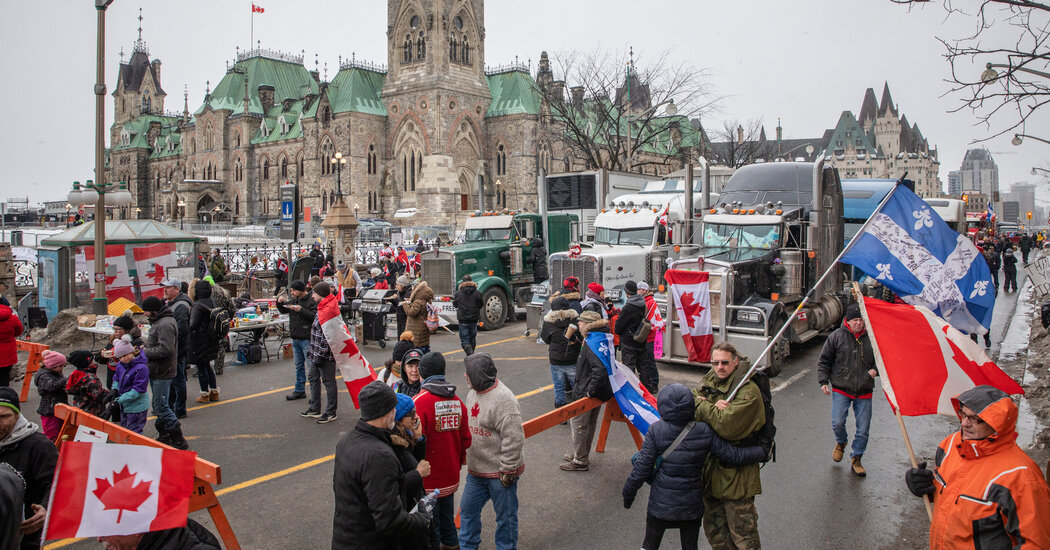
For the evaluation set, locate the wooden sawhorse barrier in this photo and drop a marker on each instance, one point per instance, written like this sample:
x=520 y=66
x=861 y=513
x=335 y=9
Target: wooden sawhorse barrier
x=33 y=364
x=205 y=474
x=578 y=407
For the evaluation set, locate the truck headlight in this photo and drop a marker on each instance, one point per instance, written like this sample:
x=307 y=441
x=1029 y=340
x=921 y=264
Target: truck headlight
x=748 y=317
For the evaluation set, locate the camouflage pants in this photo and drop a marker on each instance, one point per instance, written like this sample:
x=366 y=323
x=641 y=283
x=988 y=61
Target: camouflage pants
x=731 y=524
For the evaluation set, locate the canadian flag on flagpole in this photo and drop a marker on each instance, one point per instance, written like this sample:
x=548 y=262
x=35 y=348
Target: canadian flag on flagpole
x=105 y=489
x=356 y=371
x=693 y=304
x=924 y=361
x=257 y=9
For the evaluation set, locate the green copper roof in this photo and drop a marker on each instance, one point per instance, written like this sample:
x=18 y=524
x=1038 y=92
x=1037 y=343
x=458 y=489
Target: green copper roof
x=289 y=80
x=137 y=129
x=849 y=131
x=357 y=90
x=280 y=123
x=169 y=143
x=513 y=93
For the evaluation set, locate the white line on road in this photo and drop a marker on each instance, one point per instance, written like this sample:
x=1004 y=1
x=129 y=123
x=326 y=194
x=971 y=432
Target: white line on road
x=789 y=381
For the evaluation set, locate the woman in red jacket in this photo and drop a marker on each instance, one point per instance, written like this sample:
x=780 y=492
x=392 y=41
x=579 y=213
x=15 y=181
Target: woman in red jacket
x=10 y=329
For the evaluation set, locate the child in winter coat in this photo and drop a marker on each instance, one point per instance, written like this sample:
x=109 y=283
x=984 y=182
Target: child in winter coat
x=51 y=386
x=131 y=381
x=87 y=391
x=676 y=499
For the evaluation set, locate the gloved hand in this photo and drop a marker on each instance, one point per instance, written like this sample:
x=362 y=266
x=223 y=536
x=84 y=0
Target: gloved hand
x=767 y=449
x=627 y=502
x=919 y=480
x=507 y=479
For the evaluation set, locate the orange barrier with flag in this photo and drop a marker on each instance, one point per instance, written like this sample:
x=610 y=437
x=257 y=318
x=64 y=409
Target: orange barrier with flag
x=36 y=359
x=578 y=407
x=205 y=473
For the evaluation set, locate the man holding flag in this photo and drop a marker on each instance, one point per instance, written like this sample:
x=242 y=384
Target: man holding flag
x=322 y=363
x=592 y=380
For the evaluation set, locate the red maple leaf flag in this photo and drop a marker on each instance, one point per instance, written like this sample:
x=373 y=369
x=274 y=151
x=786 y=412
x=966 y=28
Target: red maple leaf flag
x=257 y=9
x=692 y=302
x=356 y=371
x=924 y=361
x=104 y=489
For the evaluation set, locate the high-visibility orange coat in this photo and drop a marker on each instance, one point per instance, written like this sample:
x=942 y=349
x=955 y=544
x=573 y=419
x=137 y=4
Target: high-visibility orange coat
x=988 y=493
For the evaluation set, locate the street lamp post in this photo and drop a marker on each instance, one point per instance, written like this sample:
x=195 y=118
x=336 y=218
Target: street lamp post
x=182 y=212
x=99 y=303
x=1019 y=138
x=69 y=207
x=339 y=162
x=101 y=194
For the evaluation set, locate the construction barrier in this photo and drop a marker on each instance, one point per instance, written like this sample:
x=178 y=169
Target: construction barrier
x=33 y=364
x=578 y=407
x=205 y=474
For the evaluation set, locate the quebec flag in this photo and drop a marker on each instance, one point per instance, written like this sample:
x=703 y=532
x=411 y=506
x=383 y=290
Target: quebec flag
x=636 y=403
x=909 y=249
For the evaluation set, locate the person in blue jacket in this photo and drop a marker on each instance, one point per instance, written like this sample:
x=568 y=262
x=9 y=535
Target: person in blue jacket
x=131 y=382
x=676 y=498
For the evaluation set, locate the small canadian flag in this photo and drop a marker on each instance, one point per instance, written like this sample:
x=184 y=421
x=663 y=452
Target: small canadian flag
x=257 y=9
x=105 y=489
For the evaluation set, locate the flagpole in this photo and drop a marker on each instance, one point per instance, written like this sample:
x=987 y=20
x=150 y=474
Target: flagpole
x=251 y=35
x=805 y=299
x=896 y=409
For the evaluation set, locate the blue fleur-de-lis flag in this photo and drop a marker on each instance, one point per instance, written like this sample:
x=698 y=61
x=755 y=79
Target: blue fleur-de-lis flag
x=909 y=249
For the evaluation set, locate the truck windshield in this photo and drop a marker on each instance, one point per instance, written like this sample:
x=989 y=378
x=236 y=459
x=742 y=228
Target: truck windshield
x=490 y=234
x=850 y=228
x=741 y=236
x=639 y=235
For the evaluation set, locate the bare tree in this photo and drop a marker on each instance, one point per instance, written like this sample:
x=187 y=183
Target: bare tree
x=738 y=143
x=612 y=112
x=1014 y=83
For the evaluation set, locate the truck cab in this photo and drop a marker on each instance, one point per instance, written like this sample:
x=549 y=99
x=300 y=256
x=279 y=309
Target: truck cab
x=496 y=253
x=776 y=229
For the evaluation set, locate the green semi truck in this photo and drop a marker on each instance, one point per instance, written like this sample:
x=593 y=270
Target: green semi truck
x=496 y=253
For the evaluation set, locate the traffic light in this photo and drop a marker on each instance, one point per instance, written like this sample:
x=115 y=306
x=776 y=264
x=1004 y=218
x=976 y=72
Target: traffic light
x=965 y=198
x=1029 y=214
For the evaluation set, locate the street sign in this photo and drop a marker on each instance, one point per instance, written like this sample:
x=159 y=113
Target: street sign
x=289 y=213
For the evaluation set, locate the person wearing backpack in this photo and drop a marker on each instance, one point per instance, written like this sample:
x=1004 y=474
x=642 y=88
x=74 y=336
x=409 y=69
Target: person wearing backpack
x=633 y=353
x=672 y=460
x=205 y=342
x=846 y=372
x=730 y=517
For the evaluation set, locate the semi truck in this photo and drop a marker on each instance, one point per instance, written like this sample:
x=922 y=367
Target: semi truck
x=496 y=253
x=585 y=193
x=776 y=228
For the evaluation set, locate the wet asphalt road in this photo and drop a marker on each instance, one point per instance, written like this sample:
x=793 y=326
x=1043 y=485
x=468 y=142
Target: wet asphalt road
x=277 y=467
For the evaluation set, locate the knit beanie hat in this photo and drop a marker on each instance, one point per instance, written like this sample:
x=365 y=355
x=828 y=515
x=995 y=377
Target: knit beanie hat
x=54 y=359
x=630 y=287
x=404 y=280
x=81 y=359
x=152 y=303
x=432 y=364
x=298 y=285
x=405 y=405
x=376 y=399
x=121 y=348
x=322 y=289
x=590 y=316
x=9 y=398
x=852 y=312
x=560 y=304
x=124 y=322
x=596 y=288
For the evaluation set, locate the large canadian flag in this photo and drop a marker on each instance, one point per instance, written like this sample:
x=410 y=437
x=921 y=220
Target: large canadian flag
x=356 y=371
x=105 y=489
x=924 y=361
x=119 y=284
x=151 y=262
x=693 y=303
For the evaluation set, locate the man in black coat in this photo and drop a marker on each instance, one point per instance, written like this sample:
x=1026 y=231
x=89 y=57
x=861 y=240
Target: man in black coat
x=538 y=259
x=161 y=350
x=180 y=305
x=33 y=456
x=635 y=354
x=562 y=351
x=301 y=310
x=1009 y=269
x=468 y=303
x=591 y=381
x=368 y=481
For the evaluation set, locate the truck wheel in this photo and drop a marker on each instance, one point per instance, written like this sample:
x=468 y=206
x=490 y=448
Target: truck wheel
x=493 y=309
x=779 y=354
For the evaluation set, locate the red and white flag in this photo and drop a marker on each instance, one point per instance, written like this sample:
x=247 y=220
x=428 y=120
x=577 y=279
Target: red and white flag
x=693 y=303
x=662 y=220
x=924 y=361
x=105 y=489
x=151 y=263
x=257 y=9
x=356 y=371
x=119 y=283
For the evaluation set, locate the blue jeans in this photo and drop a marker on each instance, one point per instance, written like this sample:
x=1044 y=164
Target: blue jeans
x=165 y=416
x=468 y=334
x=444 y=522
x=299 y=349
x=840 y=405
x=476 y=492
x=563 y=376
x=177 y=396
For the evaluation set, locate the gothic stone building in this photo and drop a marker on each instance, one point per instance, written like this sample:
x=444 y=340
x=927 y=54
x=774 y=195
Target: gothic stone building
x=416 y=133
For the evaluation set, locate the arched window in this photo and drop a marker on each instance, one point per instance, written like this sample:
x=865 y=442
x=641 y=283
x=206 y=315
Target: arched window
x=238 y=170
x=237 y=139
x=406 y=55
x=373 y=159
x=466 y=50
x=284 y=167
x=208 y=138
x=413 y=179
x=404 y=172
x=266 y=169
x=501 y=160
x=421 y=47
x=299 y=165
x=326 y=153
x=452 y=47
x=146 y=103
x=324 y=201
x=237 y=204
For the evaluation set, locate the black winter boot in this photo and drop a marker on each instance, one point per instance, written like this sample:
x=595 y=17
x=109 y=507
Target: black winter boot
x=176 y=439
x=162 y=435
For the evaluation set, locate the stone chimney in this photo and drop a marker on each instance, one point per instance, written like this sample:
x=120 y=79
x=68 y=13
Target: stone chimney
x=156 y=70
x=577 y=95
x=266 y=97
x=557 y=89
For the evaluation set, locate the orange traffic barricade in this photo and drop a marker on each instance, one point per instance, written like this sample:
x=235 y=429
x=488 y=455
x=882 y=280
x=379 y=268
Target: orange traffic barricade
x=36 y=359
x=205 y=475
x=578 y=407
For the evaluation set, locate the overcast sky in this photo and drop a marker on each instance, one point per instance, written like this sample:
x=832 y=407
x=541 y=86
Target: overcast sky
x=803 y=61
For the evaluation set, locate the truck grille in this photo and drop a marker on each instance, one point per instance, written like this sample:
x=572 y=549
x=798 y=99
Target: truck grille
x=585 y=269
x=437 y=272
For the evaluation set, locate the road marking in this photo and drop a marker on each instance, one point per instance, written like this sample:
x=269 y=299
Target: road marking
x=789 y=381
x=446 y=353
x=275 y=475
x=519 y=358
x=237 y=436
x=534 y=392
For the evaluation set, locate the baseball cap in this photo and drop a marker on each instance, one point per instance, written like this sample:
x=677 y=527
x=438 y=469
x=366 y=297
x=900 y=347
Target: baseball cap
x=172 y=282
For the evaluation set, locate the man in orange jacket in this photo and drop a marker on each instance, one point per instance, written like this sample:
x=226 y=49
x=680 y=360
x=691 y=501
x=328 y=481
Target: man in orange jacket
x=987 y=493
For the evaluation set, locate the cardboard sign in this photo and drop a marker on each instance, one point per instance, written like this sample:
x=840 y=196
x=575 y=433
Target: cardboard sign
x=1039 y=272
x=89 y=435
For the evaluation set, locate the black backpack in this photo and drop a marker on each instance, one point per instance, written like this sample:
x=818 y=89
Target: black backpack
x=766 y=435
x=220 y=322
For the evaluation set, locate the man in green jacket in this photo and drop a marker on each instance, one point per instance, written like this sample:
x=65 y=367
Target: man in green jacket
x=730 y=517
x=217 y=267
